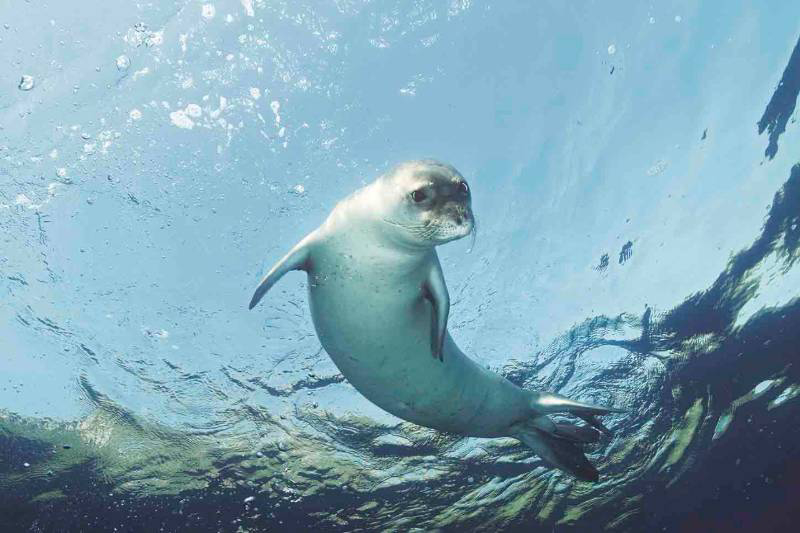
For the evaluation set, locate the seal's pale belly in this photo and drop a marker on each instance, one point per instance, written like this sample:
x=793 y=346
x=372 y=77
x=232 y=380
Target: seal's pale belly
x=376 y=326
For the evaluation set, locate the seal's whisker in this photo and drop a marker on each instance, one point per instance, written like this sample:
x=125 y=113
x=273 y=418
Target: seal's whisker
x=473 y=235
x=409 y=226
x=429 y=231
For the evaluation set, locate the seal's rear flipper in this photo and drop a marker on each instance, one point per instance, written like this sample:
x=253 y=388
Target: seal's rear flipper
x=297 y=259
x=594 y=422
x=559 y=451
x=559 y=444
x=576 y=433
x=546 y=403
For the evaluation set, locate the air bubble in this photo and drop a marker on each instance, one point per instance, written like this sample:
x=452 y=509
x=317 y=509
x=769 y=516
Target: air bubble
x=123 y=63
x=26 y=83
x=208 y=11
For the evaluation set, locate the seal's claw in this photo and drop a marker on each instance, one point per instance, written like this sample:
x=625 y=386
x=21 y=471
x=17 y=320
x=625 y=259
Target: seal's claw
x=437 y=353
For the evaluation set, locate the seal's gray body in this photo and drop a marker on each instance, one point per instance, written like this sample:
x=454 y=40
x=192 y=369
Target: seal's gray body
x=373 y=320
x=372 y=314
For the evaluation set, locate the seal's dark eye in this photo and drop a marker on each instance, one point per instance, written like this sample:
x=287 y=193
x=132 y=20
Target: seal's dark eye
x=418 y=195
x=463 y=188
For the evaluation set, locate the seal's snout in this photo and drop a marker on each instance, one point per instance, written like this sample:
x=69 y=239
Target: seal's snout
x=457 y=221
x=461 y=214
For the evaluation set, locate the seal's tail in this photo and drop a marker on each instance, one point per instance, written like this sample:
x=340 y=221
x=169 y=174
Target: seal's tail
x=561 y=444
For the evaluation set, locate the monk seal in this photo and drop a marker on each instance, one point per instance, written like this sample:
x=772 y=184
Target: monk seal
x=380 y=306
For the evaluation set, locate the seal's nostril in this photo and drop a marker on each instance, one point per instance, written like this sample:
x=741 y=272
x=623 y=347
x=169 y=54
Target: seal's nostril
x=459 y=220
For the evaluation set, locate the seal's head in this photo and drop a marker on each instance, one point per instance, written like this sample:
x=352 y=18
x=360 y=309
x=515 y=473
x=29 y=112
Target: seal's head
x=431 y=203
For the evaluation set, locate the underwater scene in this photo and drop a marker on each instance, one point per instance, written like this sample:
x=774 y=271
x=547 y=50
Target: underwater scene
x=607 y=341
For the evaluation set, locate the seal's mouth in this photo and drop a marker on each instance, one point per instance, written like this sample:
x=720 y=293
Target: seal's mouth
x=458 y=227
x=439 y=230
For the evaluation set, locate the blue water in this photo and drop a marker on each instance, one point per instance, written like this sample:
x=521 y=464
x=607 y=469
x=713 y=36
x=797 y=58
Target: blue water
x=633 y=172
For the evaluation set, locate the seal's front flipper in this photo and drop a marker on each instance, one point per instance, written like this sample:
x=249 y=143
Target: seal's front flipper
x=297 y=259
x=558 y=450
x=436 y=291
